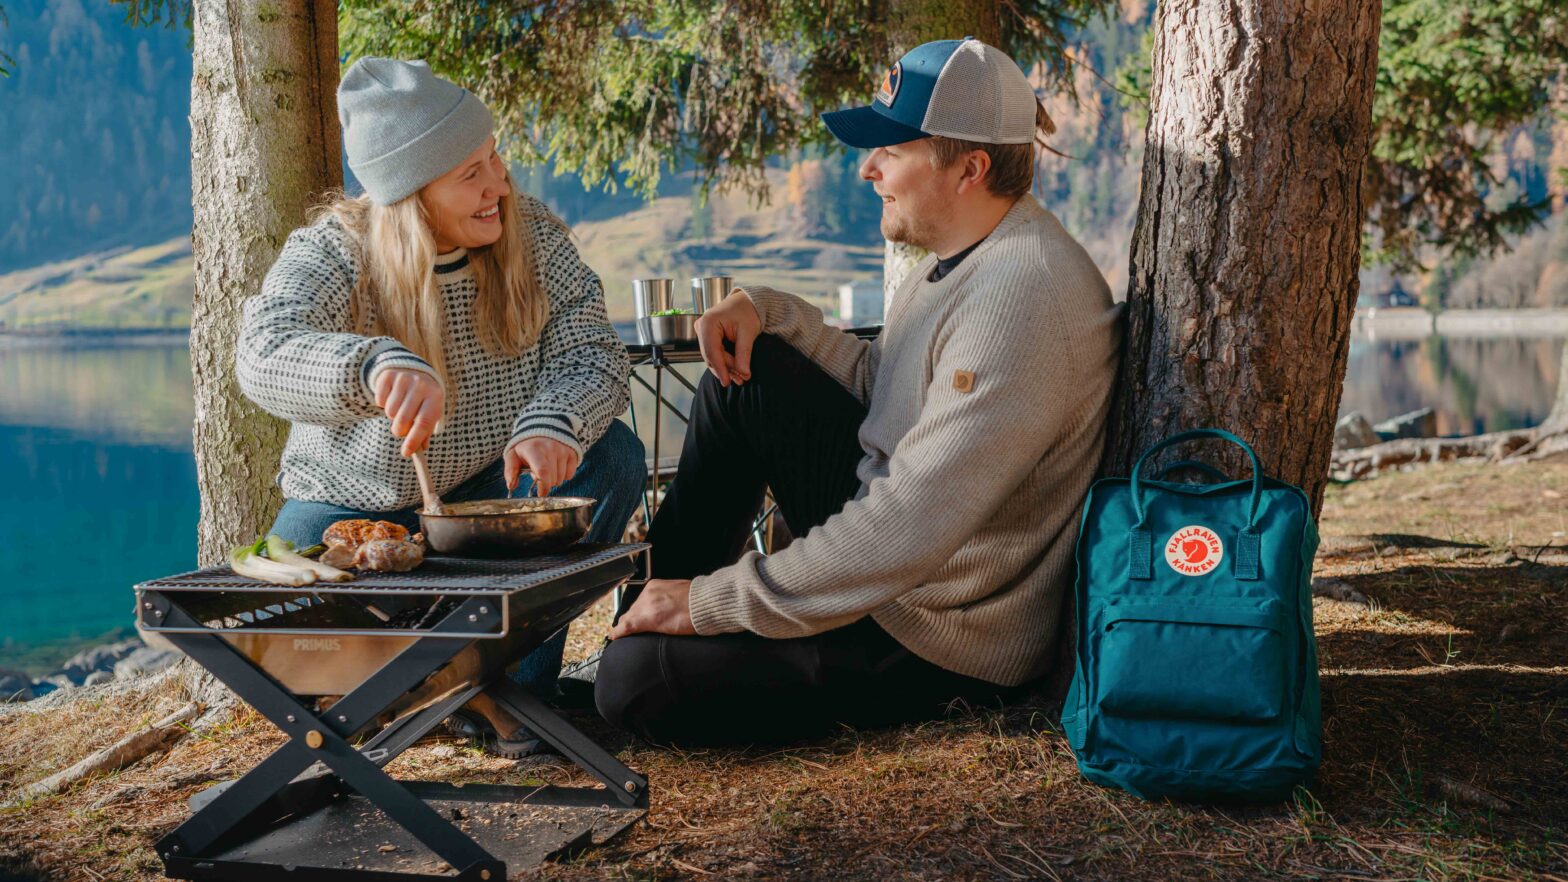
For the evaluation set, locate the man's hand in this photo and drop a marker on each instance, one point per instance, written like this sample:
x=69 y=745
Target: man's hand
x=734 y=319
x=548 y=460
x=412 y=401
x=663 y=607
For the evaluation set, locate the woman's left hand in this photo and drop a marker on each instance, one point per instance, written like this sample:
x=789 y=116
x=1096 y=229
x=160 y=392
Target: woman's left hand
x=548 y=460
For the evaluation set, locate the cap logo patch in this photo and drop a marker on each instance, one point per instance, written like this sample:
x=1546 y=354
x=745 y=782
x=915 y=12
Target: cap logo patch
x=1194 y=551
x=889 y=88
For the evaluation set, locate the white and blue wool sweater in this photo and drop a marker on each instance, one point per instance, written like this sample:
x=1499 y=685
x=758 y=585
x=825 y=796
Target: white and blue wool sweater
x=299 y=359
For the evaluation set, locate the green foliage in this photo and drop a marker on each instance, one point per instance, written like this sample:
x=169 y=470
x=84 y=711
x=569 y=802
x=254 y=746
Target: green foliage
x=1453 y=78
x=631 y=89
x=147 y=13
x=1133 y=77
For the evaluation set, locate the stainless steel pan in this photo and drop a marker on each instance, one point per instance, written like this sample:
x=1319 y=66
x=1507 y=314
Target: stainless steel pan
x=508 y=527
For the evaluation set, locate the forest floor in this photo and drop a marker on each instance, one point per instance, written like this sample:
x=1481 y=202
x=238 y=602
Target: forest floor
x=1445 y=732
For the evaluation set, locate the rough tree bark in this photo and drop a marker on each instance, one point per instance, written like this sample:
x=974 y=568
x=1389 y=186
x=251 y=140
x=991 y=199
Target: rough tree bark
x=1557 y=420
x=264 y=145
x=1248 y=237
x=911 y=23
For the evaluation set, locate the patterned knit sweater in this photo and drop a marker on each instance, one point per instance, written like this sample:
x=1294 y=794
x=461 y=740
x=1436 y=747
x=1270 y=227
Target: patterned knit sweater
x=298 y=360
x=987 y=398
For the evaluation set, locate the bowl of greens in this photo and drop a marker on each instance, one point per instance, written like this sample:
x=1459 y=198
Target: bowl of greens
x=667 y=327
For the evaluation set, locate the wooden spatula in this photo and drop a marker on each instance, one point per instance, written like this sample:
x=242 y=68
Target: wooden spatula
x=427 y=488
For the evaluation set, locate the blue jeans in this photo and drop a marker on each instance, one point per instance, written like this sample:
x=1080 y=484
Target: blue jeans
x=613 y=471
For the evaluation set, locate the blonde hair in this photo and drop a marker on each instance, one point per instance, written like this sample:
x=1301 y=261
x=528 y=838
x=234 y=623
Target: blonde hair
x=396 y=293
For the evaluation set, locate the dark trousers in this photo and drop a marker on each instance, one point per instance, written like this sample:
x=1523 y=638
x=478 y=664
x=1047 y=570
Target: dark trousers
x=794 y=429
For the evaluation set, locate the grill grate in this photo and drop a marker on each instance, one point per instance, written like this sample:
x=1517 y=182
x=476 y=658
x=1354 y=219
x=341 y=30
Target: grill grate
x=437 y=575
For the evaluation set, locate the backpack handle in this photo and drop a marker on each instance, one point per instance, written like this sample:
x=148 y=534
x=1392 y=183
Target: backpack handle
x=1189 y=435
x=1140 y=561
x=1201 y=467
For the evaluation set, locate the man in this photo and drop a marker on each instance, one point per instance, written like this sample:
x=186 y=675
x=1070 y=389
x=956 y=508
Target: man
x=933 y=477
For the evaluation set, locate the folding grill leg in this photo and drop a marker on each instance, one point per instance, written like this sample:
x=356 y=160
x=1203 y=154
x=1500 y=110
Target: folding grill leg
x=628 y=786
x=402 y=734
x=241 y=801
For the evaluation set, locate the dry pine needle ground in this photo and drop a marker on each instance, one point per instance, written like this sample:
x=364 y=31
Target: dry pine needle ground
x=1445 y=743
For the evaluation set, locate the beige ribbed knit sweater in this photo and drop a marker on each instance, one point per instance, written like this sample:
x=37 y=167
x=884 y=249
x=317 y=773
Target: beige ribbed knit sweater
x=987 y=397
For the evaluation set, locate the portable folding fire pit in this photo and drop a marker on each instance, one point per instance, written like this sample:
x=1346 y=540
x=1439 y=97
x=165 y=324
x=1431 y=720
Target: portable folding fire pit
x=403 y=650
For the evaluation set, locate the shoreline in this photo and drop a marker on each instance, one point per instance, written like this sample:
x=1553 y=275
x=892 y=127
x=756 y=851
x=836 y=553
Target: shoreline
x=42 y=658
x=1370 y=323
x=1412 y=323
x=18 y=338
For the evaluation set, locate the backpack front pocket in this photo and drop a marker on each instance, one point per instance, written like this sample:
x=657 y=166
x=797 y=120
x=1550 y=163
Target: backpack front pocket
x=1201 y=660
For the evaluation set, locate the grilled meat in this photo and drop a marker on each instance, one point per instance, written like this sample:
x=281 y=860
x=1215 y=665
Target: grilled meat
x=372 y=545
x=391 y=555
x=358 y=531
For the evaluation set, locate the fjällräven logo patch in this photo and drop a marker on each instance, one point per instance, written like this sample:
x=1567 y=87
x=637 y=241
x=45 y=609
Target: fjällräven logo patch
x=1194 y=551
x=889 y=88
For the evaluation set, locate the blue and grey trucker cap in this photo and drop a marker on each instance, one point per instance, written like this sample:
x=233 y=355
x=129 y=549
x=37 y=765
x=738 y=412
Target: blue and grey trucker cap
x=954 y=88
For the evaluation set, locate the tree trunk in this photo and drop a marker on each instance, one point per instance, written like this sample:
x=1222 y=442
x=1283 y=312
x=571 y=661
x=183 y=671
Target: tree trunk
x=1248 y=237
x=264 y=145
x=1556 y=421
x=911 y=23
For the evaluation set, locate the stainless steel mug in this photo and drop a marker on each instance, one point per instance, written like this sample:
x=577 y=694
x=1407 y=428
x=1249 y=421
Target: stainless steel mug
x=707 y=291
x=652 y=295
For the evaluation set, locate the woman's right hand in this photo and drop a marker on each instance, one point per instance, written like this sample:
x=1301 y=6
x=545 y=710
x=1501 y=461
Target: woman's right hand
x=413 y=401
x=735 y=319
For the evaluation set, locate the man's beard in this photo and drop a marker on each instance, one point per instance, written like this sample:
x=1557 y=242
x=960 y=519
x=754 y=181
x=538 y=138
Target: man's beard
x=907 y=231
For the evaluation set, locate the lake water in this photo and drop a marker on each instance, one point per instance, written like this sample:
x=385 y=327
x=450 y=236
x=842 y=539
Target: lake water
x=98 y=486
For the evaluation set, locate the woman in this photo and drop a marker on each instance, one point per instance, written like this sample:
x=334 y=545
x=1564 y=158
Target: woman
x=442 y=312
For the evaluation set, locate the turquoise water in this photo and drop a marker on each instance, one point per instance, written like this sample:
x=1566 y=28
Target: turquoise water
x=84 y=519
x=98 y=484
x=97 y=489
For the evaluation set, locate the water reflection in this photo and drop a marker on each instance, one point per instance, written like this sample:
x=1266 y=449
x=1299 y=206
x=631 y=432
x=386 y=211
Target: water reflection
x=133 y=394
x=1474 y=385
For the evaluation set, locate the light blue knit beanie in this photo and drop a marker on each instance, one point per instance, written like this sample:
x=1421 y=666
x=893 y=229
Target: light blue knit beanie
x=403 y=126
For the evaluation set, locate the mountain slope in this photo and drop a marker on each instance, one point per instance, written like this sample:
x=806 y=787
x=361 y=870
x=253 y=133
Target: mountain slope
x=120 y=289
x=150 y=287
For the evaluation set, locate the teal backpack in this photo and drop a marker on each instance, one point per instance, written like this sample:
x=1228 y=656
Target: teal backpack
x=1197 y=673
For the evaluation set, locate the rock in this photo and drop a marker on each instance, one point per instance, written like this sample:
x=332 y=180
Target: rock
x=55 y=681
x=1353 y=432
x=443 y=751
x=1346 y=546
x=97 y=658
x=1338 y=589
x=145 y=660
x=15 y=686
x=1415 y=424
x=97 y=677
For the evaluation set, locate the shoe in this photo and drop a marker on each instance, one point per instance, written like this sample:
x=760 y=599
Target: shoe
x=521 y=743
x=576 y=682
